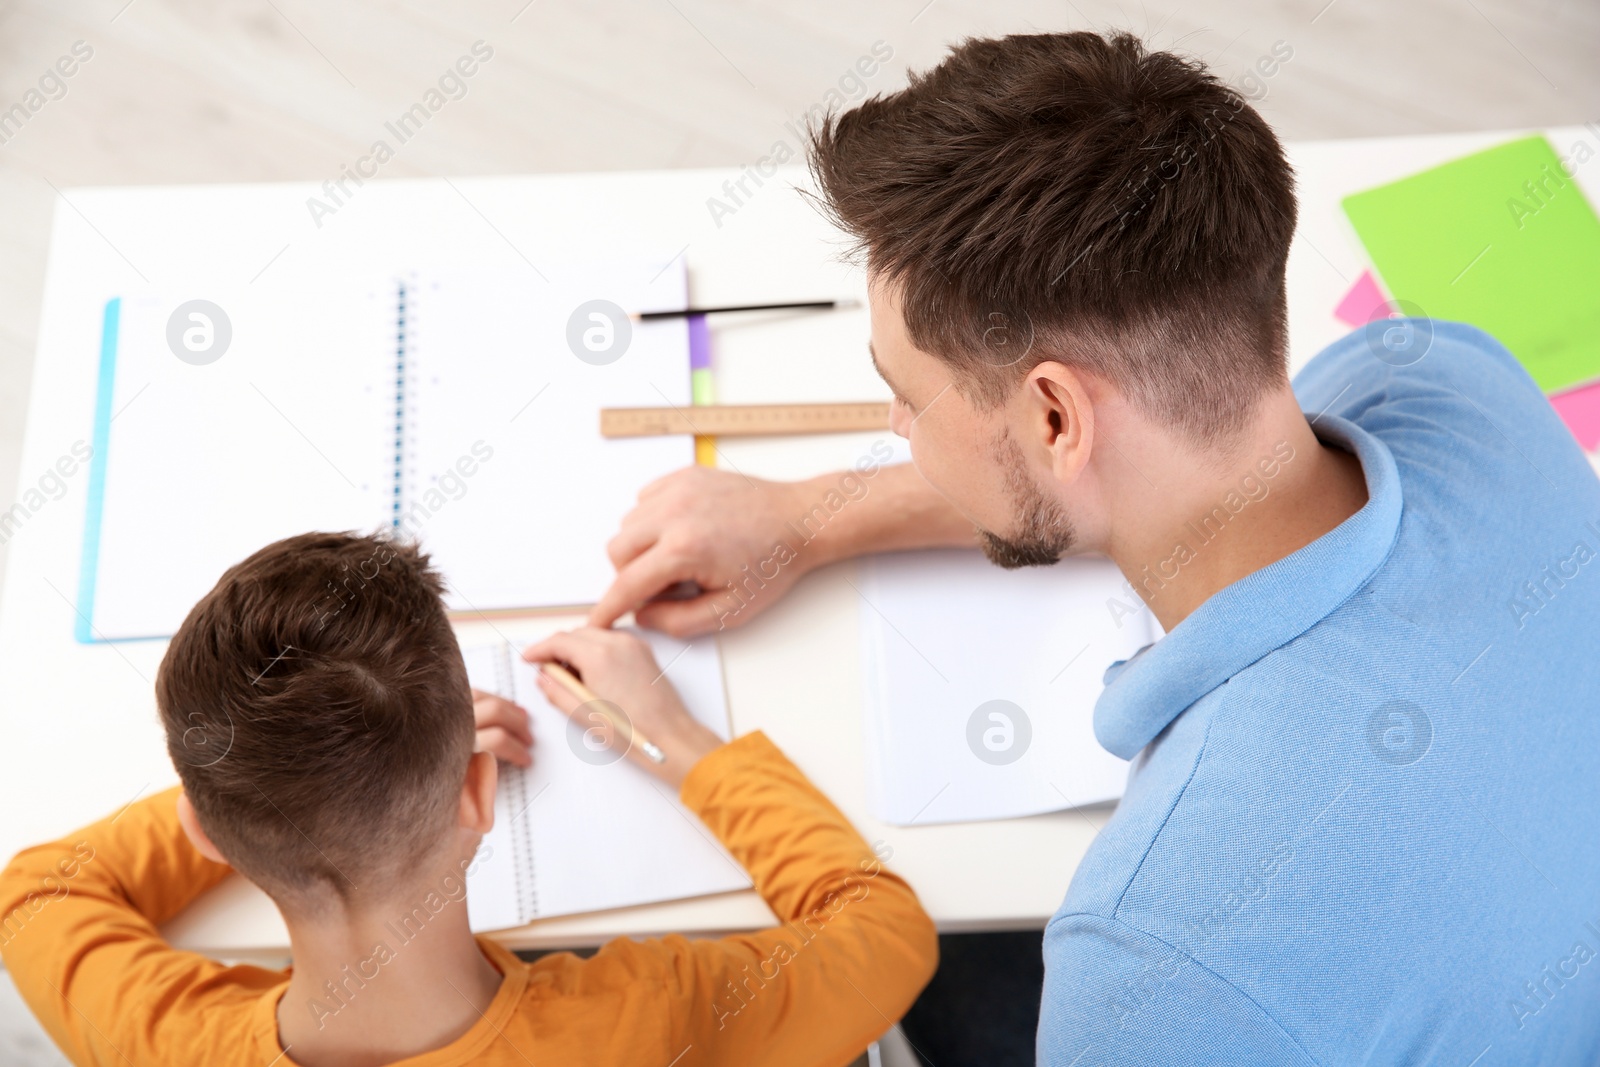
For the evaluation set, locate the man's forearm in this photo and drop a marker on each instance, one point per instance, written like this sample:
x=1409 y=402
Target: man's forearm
x=891 y=510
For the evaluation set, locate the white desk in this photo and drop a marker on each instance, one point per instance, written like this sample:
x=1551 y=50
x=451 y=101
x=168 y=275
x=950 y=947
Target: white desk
x=80 y=737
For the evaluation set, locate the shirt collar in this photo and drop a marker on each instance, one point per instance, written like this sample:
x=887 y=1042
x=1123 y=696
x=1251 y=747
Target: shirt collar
x=468 y=1048
x=1260 y=612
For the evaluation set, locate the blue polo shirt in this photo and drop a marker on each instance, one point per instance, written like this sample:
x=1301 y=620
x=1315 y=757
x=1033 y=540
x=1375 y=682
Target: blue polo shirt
x=1362 y=824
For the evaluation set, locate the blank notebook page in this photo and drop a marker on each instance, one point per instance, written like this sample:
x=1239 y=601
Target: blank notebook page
x=487 y=360
x=980 y=684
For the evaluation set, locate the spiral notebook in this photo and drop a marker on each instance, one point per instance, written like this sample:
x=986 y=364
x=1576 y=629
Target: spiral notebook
x=584 y=830
x=448 y=405
x=980 y=684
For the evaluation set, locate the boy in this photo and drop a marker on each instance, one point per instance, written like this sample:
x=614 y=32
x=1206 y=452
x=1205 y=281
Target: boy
x=332 y=758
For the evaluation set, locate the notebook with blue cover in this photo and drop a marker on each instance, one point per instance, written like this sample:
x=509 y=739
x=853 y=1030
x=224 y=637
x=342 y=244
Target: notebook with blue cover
x=449 y=406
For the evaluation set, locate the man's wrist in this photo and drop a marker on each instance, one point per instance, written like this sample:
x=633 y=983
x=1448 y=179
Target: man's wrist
x=822 y=522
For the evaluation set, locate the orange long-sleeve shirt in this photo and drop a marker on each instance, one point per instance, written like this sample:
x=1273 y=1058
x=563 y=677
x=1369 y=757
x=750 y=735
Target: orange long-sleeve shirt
x=79 y=919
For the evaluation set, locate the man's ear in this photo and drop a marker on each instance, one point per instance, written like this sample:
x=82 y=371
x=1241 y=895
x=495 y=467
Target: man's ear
x=190 y=821
x=477 y=793
x=1060 y=417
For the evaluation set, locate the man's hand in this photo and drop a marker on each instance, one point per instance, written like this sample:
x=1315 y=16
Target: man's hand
x=706 y=526
x=503 y=728
x=621 y=670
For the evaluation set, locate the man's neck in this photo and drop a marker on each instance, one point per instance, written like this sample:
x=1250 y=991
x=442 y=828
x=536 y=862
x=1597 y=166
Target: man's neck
x=376 y=986
x=1203 y=524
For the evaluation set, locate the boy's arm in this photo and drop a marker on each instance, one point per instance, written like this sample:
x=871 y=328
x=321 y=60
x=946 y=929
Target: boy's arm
x=78 y=928
x=855 y=947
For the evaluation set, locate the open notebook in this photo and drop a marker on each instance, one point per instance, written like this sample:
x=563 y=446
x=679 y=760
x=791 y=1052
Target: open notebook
x=980 y=684
x=573 y=834
x=447 y=404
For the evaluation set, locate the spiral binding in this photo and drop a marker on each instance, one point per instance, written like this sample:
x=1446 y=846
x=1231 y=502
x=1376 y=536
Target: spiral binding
x=409 y=304
x=398 y=497
x=515 y=800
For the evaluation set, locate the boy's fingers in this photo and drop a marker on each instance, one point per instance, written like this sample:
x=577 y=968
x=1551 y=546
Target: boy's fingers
x=484 y=699
x=579 y=647
x=497 y=711
x=571 y=647
x=636 y=583
x=503 y=745
x=563 y=699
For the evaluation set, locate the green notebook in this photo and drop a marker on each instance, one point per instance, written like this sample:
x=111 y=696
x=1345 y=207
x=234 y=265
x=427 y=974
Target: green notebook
x=1503 y=240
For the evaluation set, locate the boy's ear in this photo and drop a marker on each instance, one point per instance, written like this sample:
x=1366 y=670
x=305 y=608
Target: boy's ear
x=190 y=821
x=477 y=793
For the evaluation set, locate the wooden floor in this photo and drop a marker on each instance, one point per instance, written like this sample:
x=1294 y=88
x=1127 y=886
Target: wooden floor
x=180 y=91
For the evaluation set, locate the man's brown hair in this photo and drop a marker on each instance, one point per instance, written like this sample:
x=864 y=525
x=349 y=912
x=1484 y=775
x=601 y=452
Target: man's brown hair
x=318 y=712
x=1075 y=197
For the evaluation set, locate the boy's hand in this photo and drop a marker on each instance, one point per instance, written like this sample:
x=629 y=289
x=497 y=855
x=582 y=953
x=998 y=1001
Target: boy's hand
x=621 y=670
x=503 y=729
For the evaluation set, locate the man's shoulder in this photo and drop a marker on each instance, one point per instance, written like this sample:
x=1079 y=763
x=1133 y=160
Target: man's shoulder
x=1124 y=996
x=1472 y=435
x=1393 y=358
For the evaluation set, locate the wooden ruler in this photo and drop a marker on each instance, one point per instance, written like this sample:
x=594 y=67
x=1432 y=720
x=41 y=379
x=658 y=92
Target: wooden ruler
x=743 y=420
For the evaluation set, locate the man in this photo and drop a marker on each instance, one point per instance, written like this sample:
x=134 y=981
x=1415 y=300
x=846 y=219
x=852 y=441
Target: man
x=1359 y=822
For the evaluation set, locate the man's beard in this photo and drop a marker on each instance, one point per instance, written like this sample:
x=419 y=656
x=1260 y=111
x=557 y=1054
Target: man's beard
x=1043 y=534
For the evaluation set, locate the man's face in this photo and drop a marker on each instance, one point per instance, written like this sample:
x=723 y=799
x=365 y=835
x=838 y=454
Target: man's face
x=969 y=454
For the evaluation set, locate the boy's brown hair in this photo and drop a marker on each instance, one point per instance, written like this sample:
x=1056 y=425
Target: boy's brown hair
x=318 y=712
x=1075 y=197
